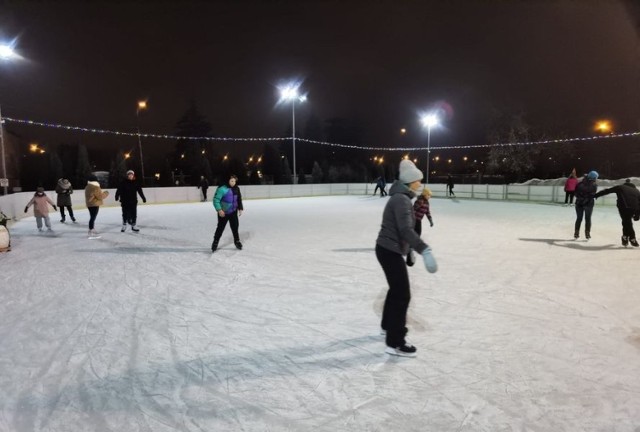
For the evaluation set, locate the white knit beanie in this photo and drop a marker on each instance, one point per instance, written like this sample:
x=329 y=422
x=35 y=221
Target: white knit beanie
x=408 y=172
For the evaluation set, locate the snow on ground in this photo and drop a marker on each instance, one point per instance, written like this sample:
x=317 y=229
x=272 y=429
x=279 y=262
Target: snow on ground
x=522 y=328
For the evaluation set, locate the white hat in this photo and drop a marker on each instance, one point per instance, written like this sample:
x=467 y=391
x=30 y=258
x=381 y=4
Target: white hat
x=130 y=172
x=408 y=172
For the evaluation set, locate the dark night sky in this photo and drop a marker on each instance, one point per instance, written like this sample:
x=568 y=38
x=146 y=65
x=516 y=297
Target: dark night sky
x=565 y=63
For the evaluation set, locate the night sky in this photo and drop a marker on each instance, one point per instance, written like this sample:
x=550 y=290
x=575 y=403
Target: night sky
x=565 y=64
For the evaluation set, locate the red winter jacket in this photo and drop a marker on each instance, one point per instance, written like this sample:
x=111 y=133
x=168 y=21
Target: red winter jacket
x=570 y=184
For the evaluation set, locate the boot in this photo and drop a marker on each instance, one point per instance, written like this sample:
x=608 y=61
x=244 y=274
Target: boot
x=625 y=241
x=634 y=242
x=124 y=228
x=62 y=220
x=576 y=235
x=134 y=228
x=214 y=246
x=405 y=350
x=238 y=244
x=587 y=235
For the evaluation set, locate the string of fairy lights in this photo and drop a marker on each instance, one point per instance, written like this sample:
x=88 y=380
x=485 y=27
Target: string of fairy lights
x=324 y=143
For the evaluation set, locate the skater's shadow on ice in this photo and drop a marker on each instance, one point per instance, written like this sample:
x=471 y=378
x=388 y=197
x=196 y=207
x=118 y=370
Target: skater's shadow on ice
x=113 y=394
x=571 y=244
x=370 y=249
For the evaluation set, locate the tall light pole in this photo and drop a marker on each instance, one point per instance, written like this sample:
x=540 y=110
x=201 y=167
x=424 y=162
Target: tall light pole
x=142 y=105
x=290 y=93
x=429 y=121
x=6 y=53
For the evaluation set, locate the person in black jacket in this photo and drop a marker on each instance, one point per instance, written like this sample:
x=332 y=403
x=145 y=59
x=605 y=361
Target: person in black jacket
x=585 y=193
x=126 y=194
x=628 y=204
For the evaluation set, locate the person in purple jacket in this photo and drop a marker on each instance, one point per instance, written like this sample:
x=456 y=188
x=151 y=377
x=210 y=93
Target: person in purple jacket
x=228 y=203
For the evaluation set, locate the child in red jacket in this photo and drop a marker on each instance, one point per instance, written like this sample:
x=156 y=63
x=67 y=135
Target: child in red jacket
x=420 y=210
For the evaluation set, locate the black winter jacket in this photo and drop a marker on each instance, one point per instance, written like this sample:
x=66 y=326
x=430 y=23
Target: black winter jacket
x=585 y=193
x=628 y=196
x=126 y=192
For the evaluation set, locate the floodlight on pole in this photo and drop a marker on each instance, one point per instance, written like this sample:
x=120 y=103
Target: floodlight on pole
x=429 y=121
x=290 y=93
x=142 y=105
x=6 y=53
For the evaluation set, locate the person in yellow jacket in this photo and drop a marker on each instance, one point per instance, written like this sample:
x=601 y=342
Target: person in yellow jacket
x=94 y=195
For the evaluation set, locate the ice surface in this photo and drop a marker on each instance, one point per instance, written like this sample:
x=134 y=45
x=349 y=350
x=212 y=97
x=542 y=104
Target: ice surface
x=522 y=328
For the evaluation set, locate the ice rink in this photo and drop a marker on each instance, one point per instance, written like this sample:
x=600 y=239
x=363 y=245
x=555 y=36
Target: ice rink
x=522 y=328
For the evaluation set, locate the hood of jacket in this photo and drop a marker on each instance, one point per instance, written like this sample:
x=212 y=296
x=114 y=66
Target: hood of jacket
x=400 y=188
x=64 y=183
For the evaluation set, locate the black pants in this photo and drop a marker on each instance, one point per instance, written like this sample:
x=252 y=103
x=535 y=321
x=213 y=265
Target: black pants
x=568 y=197
x=204 y=193
x=627 y=222
x=586 y=212
x=93 y=214
x=129 y=214
x=418 y=226
x=232 y=218
x=450 y=190
x=70 y=212
x=394 y=314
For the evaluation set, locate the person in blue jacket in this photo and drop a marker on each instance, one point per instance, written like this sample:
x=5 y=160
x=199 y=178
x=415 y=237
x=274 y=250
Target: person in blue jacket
x=228 y=203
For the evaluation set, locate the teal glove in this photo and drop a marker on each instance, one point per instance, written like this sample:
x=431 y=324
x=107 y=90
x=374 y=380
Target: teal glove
x=429 y=260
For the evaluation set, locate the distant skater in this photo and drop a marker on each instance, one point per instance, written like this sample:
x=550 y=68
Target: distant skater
x=40 y=203
x=228 y=203
x=628 y=204
x=585 y=195
x=570 y=188
x=204 y=185
x=127 y=195
x=450 y=186
x=64 y=191
x=94 y=196
x=382 y=185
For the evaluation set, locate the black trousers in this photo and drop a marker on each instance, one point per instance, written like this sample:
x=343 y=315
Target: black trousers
x=93 y=214
x=586 y=212
x=627 y=222
x=129 y=214
x=69 y=209
x=222 y=224
x=568 y=197
x=204 y=193
x=396 y=304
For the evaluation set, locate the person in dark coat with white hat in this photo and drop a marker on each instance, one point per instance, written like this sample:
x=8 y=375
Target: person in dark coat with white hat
x=396 y=236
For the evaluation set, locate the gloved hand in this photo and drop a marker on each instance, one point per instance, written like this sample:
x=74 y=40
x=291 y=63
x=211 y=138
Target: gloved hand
x=26 y=209
x=430 y=222
x=144 y=200
x=636 y=217
x=429 y=260
x=55 y=208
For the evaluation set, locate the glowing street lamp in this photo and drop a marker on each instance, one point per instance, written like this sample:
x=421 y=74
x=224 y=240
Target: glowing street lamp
x=6 y=53
x=429 y=121
x=142 y=105
x=290 y=93
x=603 y=126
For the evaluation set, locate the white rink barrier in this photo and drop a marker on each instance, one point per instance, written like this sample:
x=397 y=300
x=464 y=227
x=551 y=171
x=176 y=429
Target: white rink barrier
x=13 y=205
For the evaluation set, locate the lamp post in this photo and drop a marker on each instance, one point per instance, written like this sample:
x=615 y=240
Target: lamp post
x=429 y=121
x=6 y=53
x=142 y=105
x=290 y=93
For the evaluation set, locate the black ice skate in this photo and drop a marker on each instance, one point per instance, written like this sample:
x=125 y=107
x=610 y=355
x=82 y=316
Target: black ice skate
x=402 y=351
x=238 y=244
x=625 y=241
x=588 y=236
x=634 y=242
x=134 y=228
x=214 y=246
x=576 y=235
x=124 y=227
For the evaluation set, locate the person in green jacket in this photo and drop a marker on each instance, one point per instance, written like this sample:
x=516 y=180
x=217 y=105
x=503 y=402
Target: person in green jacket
x=228 y=203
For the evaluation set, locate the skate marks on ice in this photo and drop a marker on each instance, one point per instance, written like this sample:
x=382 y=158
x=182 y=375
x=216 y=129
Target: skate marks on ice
x=580 y=244
x=634 y=337
x=363 y=249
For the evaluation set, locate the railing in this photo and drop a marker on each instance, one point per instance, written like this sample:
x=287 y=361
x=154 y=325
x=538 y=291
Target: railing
x=13 y=205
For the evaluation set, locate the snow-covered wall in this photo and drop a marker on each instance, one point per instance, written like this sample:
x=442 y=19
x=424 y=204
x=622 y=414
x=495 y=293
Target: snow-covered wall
x=13 y=205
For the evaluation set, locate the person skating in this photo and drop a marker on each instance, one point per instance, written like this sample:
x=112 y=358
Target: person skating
x=40 y=202
x=228 y=203
x=570 y=188
x=450 y=186
x=585 y=194
x=382 y=185
x=396 y=235
x=628 y=204
x=94 y=196
x=420 y=210
x=127 y=195
x=64 y=191
x=204 y=185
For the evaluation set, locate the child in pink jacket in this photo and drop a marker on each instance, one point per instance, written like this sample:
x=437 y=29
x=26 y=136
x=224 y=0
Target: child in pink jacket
x=40 y=203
